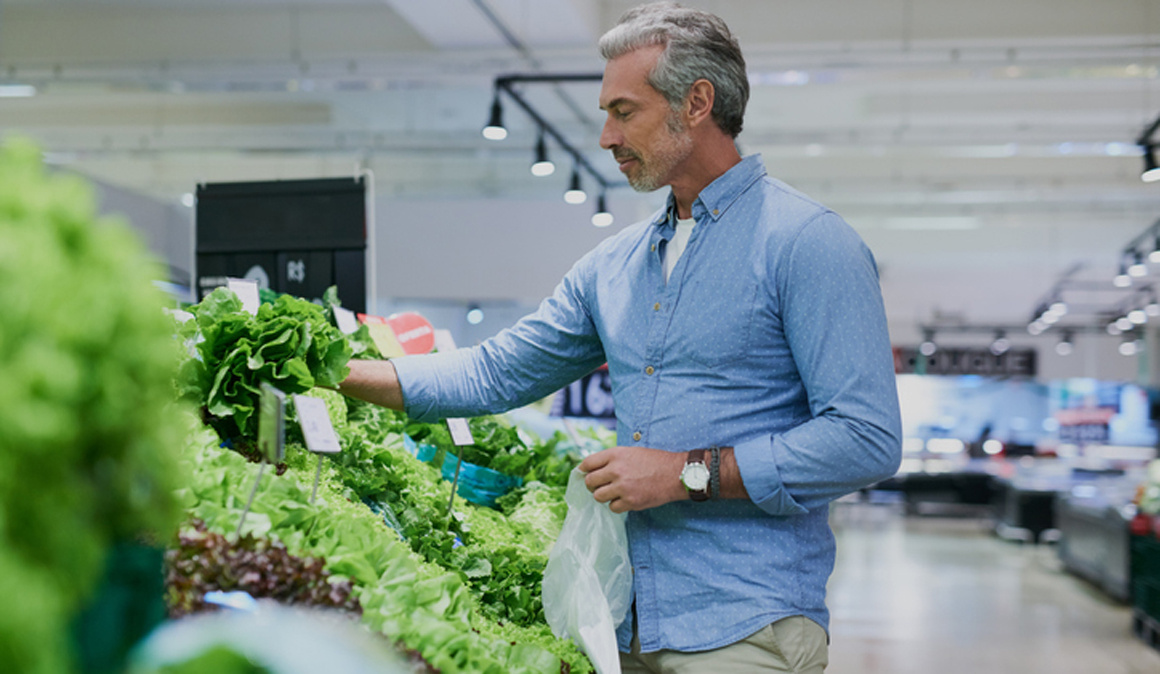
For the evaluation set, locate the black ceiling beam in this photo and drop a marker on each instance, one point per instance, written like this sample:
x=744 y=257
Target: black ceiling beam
x=507 y=84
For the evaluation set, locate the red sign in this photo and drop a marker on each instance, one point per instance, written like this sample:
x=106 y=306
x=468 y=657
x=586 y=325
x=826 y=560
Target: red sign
x=414 y=332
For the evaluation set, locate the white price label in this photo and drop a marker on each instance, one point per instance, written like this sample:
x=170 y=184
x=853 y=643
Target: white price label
x=316 y=426
x=460 y=431
x=247 y=292
x=345 y=320
x=443 y=340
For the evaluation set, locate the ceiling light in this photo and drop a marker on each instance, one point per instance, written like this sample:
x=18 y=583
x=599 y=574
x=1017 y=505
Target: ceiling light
x=575 y=193
x=188 y=200
x=1114 y=329
x=17 y=90
x=495 y=129
x=1059 y=308
x=1124 y=324
x=474 y=314
x=928 y=347
x=1151 y=172
x=1128 y=348
x=1138 y=267
x=1001 y=344
x=1152 y=308
x=1036 y=327
x=1154 y=256
x=1122 y=280
x=1064 y=347
x=1138 y=317
x=542 y=166
x=1049 y=318
x=601 y=218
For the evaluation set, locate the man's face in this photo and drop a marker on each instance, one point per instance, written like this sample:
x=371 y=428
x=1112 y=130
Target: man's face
x=643 y=132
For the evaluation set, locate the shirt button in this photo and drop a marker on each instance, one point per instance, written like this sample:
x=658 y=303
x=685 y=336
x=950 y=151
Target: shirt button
x=657 y=306
x=715 y=211
x=636 y=436
x=649 y=370
x=653 y=248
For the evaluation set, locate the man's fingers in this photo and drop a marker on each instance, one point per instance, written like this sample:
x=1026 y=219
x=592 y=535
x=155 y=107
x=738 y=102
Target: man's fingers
x=606 y=494
x=595 y=461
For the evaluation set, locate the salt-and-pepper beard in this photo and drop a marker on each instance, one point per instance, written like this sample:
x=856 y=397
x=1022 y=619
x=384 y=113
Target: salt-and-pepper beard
x=651 y=175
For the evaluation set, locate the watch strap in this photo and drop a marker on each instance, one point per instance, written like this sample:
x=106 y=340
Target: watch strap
x=714 y=472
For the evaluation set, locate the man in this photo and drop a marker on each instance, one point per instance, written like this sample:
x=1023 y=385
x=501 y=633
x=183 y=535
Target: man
x=753 y=382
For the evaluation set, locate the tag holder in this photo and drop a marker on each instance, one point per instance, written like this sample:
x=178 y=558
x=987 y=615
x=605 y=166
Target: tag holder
x=318 y=431
x=461 y=436
x=271 y=439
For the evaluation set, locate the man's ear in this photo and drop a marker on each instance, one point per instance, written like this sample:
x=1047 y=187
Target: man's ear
x=699 y=102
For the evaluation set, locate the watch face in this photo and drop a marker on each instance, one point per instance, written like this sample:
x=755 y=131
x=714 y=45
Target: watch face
x=695 y=476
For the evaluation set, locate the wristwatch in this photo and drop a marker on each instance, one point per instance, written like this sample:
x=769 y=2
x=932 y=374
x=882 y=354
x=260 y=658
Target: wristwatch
x=695 y=476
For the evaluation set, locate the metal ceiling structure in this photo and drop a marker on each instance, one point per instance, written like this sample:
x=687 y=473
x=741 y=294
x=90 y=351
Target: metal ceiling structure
x=981 y=149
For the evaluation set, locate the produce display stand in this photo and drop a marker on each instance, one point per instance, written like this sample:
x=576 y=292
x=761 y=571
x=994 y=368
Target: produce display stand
x=1094 y=542
x=1026 y=508
x=1145 y=567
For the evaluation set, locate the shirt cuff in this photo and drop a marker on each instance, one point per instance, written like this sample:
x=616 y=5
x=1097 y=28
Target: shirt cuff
x=758 y=465
x=419 y=384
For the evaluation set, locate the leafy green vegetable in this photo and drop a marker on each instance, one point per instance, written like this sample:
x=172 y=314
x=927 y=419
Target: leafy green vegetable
x=89 y=430
x=204 y=561
x=289 y=344
x=403 y=596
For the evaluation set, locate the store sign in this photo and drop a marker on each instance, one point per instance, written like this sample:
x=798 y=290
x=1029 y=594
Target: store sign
x=956 y=361
x=589 y=396
x=1085 y=425
x=415 y=333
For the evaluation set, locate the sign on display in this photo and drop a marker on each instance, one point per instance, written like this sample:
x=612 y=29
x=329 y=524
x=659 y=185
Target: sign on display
x=247 y=292
x=317 y=429
x=415 y=333
x=589 y=396
x=272 y=424
x=956 y=361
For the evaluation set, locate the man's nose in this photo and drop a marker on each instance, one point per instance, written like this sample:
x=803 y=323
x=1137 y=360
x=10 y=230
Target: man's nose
x=610 y=137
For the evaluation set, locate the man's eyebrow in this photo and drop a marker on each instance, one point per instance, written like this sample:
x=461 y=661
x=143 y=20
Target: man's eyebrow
x=615 y=103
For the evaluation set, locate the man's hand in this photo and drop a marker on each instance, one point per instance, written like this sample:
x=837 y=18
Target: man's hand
x=634 y=478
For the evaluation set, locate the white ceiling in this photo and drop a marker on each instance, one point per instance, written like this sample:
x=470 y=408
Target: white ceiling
x=981 y=148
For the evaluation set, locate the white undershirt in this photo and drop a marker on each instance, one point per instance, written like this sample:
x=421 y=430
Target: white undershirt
x=676 y=246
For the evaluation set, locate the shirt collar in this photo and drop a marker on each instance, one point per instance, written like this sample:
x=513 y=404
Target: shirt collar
x=719 y=195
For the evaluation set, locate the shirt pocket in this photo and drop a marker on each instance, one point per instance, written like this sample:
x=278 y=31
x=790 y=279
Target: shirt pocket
x=714 y=323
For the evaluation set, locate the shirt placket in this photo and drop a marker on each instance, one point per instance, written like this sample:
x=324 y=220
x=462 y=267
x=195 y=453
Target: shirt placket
x=664 y=302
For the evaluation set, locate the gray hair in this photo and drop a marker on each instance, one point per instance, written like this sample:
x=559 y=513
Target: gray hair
x=697 y=45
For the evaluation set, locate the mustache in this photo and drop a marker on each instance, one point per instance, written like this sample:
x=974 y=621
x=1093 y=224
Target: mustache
x=623 y=155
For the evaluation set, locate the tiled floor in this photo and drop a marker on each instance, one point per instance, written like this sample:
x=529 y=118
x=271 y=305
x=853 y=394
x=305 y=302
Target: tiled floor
x=937 y=595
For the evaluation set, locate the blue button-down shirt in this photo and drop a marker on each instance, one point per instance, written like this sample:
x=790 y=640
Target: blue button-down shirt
x=770 y=337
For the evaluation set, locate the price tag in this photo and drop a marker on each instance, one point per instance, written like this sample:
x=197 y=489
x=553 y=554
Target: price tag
x=316 y=426
x=345 y=320
x=384 y=338
x=460 y=431
x=247 y=292
x=272 y=424
x=443 y=340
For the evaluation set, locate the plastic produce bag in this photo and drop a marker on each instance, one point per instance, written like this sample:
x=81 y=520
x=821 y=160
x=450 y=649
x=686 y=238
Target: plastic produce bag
x=588 y=580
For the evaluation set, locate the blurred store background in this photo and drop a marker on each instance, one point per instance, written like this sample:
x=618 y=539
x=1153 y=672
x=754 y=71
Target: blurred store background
x=993 y=155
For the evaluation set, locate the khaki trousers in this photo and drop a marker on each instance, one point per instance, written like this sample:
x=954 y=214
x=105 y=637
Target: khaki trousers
x=795 y=644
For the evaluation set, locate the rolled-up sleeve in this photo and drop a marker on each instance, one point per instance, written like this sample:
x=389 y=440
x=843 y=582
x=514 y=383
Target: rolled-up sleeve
x=540 y=354
x=835 y=323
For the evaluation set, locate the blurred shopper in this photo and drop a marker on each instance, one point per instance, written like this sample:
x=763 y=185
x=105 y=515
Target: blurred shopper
x=751 y=368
